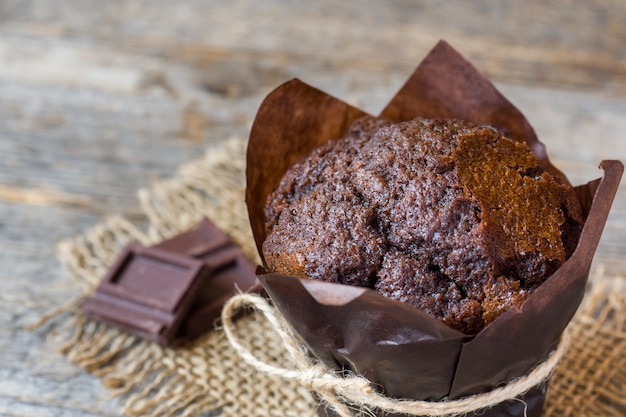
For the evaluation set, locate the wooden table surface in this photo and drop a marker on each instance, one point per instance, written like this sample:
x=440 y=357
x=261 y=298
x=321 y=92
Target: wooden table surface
x=98 y=99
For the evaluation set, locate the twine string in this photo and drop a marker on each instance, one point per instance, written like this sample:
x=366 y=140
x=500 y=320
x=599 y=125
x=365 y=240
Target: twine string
x=343 y=392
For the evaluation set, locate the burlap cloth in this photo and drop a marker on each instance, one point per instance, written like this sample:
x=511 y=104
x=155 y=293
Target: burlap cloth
x=206 y=377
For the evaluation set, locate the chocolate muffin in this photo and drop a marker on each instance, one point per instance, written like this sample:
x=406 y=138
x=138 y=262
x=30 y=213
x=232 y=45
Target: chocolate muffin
x=453 y=218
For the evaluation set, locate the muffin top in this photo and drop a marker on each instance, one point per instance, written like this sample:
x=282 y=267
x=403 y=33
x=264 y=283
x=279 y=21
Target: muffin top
x=451 y=217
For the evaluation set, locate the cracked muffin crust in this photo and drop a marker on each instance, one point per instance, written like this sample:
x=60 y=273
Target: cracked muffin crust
x=445 y=215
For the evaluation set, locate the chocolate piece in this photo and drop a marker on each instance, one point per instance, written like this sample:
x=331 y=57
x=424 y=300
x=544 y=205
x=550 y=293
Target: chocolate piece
x=230 y=269
x=175 y=288
x=202 y=239
x=236 y=274
x=147 y=291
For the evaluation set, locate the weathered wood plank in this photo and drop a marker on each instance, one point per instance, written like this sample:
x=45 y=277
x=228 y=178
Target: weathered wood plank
x=577 y=43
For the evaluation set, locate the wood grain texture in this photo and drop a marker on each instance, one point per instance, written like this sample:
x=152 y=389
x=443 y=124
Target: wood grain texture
x=97 y=101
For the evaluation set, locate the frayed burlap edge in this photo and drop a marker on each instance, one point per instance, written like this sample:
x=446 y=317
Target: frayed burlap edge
x=206 y=375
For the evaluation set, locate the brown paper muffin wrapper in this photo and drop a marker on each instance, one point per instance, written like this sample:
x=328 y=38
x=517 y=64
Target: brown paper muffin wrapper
x=405 y=352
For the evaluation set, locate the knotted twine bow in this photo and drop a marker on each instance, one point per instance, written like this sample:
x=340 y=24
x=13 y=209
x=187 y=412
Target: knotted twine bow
x=338 y=390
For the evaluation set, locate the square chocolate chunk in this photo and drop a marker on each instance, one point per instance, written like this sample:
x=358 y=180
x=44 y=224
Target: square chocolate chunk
x=148 y=291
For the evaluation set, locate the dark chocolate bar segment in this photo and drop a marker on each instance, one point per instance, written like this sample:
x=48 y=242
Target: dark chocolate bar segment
x=231 y=271
x=148 y=291
x=236 y=274
x=205 y=238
